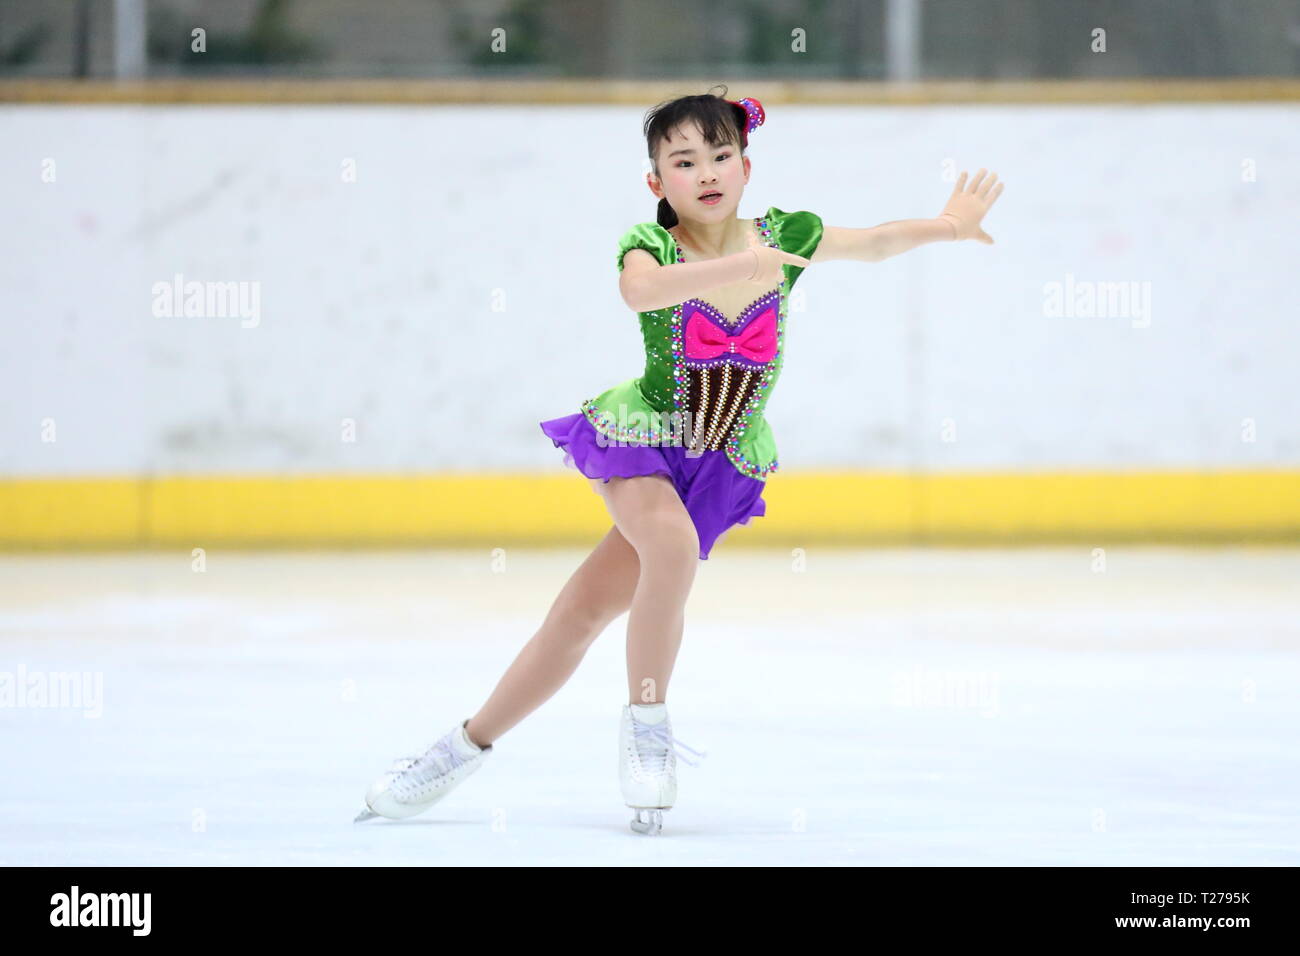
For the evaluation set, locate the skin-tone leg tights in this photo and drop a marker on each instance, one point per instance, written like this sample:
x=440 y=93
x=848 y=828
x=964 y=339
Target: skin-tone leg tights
x=645 y=564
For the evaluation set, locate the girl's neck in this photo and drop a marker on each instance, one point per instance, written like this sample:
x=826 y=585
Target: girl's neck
x=714 y=239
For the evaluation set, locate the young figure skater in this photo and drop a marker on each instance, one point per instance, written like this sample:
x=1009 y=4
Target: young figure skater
x=681 y=453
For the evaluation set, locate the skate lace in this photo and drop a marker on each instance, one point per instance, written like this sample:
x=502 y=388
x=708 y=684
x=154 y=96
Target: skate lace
x=653 y=743
x=438 y=760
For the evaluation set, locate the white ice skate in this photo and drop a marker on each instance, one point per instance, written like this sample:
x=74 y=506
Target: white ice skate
x=648 y=765
x=414 y=784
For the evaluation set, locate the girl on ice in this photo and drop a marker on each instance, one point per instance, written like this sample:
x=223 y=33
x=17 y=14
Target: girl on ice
x=681 y=453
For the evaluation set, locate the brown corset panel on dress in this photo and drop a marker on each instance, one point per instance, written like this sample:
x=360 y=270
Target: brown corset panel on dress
x=716 y=399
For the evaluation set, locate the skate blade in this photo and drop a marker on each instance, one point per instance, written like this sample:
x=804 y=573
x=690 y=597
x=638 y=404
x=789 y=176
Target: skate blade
x=366 y=814
x=651 y=824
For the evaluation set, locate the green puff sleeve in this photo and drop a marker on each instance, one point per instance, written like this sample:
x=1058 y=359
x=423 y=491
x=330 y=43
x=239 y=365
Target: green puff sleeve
x=796 y=232
x=651 y=237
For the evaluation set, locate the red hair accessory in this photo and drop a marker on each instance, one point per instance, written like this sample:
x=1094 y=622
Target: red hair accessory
x=754 y=110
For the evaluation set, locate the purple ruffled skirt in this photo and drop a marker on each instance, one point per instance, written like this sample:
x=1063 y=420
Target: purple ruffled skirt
x=715 y=493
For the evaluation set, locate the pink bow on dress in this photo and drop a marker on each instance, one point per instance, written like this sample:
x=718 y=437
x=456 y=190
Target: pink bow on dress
x=705 y=339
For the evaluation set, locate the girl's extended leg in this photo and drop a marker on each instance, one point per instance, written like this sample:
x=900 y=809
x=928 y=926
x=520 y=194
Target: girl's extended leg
x=653 y=520
x=598 y=592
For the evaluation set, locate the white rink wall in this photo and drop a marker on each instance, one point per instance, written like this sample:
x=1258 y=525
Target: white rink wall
x=463 y=286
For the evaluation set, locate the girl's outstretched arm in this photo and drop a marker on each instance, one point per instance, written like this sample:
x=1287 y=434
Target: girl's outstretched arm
x=960 y=219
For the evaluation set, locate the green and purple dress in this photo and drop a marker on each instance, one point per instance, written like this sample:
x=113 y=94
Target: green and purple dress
x=696 y=414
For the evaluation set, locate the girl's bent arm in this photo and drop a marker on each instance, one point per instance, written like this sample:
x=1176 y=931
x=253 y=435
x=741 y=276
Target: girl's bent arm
x=647 y=286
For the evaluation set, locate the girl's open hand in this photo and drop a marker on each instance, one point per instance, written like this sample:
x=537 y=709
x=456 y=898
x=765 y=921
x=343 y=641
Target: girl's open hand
x=967 y=205
x=770 y=260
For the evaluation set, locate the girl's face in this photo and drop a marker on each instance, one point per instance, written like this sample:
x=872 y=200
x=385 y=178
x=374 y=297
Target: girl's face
x=689 y=168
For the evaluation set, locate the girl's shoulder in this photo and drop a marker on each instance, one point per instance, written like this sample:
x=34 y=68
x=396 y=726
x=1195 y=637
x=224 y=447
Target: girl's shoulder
x=798 y=232
x=651 y=237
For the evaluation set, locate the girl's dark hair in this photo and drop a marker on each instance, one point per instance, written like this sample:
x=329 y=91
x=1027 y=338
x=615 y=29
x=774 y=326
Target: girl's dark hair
x=720 y=123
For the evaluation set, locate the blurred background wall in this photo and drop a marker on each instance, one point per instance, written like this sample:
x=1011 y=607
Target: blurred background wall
x=413 y=208
x=847 y=39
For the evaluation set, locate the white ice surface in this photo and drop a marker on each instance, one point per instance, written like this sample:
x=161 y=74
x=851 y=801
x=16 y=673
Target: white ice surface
x=1144 y=715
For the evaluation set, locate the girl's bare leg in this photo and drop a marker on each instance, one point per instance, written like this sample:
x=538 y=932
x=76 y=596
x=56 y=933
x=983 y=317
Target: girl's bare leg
x=598 y=592
x=653 y=520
